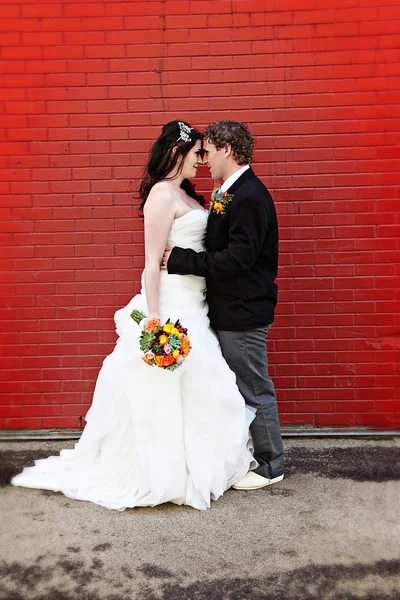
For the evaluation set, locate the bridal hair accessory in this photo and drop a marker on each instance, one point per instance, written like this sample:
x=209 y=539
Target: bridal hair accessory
x=165 y=346
x=184 y=132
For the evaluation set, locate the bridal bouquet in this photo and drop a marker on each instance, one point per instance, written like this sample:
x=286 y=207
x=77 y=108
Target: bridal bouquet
x=165 y=346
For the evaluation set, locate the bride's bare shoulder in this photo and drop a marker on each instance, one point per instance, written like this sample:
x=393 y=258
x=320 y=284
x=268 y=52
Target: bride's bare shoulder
x=161 y=199
x=161 y=188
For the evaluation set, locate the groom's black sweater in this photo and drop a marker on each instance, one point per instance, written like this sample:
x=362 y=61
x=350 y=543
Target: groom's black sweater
x=241 y=259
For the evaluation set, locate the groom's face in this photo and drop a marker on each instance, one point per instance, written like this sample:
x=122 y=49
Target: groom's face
x=216 y=160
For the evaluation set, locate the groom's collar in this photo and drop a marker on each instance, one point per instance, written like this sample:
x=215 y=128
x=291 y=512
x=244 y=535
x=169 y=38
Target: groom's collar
x=231 y=180
x=245 y=175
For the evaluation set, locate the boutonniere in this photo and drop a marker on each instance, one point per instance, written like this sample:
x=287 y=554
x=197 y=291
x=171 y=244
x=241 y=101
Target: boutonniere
x=220 y=202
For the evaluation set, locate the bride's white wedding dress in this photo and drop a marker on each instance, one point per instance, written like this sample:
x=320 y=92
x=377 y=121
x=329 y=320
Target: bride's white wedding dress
x=155 y=436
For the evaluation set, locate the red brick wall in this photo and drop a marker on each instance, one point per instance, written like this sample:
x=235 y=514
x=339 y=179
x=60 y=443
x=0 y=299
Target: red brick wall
x=86 y=86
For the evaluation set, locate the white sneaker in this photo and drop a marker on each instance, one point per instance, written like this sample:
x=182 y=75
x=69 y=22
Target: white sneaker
x=252 y=481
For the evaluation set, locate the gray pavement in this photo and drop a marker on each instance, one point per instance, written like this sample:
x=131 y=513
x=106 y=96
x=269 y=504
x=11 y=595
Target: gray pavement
x=330 y=530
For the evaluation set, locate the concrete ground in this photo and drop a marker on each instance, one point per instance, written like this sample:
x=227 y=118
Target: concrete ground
x=330 y=530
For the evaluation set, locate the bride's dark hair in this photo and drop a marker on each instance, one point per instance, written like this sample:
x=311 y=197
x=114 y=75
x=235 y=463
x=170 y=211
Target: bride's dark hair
x=162 y=160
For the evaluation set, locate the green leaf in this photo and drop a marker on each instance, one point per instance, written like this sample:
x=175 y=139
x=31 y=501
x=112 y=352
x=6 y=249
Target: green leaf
x=172 y=367
x=145 y=339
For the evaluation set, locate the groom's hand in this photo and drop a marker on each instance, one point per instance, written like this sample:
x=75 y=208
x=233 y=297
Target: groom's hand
x=164 y=261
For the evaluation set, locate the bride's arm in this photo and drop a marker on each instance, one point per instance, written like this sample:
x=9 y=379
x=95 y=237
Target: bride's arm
x=159 y=213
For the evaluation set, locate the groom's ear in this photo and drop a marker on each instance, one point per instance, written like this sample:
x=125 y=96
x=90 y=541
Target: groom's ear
x=227 y=150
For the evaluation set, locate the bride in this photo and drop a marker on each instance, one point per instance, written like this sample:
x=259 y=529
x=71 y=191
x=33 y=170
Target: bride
x=151 y=435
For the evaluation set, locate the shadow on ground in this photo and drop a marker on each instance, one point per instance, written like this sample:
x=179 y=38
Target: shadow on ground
x=380 y=463
x=69 y=579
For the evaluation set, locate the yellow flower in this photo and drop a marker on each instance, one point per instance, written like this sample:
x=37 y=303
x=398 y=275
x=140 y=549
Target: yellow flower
x=175 y=353
x=170 y=328
x=163 y=340
x=218 y=207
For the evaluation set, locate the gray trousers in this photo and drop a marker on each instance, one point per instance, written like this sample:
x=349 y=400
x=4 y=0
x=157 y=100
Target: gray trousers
x=246 y=354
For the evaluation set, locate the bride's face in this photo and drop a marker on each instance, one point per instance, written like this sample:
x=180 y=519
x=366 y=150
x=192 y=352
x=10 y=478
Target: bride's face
x=192 y=161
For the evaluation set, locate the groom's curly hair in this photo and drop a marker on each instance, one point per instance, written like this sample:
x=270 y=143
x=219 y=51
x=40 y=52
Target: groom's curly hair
x=236 y=134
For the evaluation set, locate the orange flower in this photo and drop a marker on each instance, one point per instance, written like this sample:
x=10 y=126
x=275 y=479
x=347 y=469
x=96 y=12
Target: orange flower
x=185 y=346
x=152 y=325
x=168 y=360
x=147 y=360
x=164 y=361
x=218 y=207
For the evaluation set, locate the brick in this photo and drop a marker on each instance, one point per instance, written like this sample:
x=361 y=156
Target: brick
x=107 y=79
x=99 y=300
x=110 y=159
x=100 y=199
x=68 y=52
x=69 y=161
x=25 y=135
x=109 y=133
x=110 y=186
x=11 y=411
x=12 y=94
x=62 y=422
x=84 y=147
x=316 y=406
x=143 y=23
x=91 y=276
x=84 y=10
x=297 y=419
x=10 y=39
x=23 y=423
x=42 y=411
x=74 y=410
x=26 y=52
x=88 y=66
x=131 y=91
x=18 y=24
x=129 y=65
x=375 y=419
x=335 y=419
x=79 y=361
x=46 y=66
x=92 y=173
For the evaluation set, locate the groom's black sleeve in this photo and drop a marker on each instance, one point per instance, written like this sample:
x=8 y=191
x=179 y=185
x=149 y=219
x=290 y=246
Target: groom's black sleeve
x=247 y=230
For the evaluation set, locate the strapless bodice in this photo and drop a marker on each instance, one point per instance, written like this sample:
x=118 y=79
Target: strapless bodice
x=182 y=293
x=189 y=230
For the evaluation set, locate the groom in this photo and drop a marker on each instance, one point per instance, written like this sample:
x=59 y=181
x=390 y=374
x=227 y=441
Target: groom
x=240 y=266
